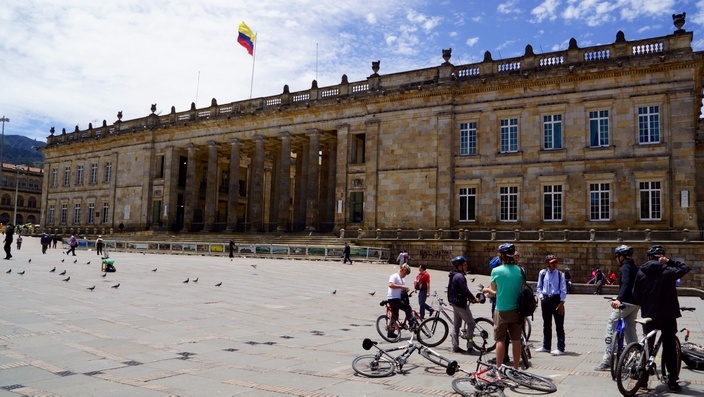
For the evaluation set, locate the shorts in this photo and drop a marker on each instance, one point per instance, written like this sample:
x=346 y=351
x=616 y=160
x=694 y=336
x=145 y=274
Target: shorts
x=507 y=322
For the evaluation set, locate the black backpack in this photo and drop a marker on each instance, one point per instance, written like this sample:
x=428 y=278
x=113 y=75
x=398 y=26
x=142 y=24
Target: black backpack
x=526 y=299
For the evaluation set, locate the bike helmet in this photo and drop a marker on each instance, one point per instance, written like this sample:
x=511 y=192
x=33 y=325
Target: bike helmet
x=458 y=260
x=495 y=261
x=406 y=267
x=623 y=250
x=656 y=250
x=507 y=249
x=550 y=258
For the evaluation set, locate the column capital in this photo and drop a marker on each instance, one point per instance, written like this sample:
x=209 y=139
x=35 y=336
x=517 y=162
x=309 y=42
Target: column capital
x=211 y=143
x=258 y=138
x=284 y=134
x=312 y=132
x=189 y=146
x=234 y=141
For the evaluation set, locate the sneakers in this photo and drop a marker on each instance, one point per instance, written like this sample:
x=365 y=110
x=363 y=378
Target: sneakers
x=674 y=387
x=603 y=367
x=557 y=353
x=459 y=350
x=542 y=350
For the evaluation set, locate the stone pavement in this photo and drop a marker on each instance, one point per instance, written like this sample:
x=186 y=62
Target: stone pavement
x=273 y=328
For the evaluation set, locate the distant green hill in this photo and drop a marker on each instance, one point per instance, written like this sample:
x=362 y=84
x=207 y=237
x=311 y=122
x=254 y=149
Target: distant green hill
x=19 y=149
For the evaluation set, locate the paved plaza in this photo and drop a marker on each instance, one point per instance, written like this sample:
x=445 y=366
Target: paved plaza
x=272 y=328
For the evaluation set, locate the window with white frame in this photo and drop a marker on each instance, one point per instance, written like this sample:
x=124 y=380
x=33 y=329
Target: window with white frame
x=79 y=175
x=106 y=211
x=77 y=214
x=91 y=213
x=552 y=132
x=468 y=204
x=599 y=128
x=509 y=136
x=54 y=176
x=649 y=124
x=468 y=139
x=93 y=178
x=50 y=216
x=508 y=197
x=64 y=214
x=108 y=172
x=67 y=176
x=599 y=201
x=650 y=201
x=552 y=202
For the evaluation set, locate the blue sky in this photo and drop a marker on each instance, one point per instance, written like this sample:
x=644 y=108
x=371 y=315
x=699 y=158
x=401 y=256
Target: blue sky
x=74 y=62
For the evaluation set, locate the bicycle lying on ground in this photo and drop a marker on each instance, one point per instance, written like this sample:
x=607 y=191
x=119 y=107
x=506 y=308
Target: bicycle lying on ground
x=692 y=353
x=384 y=364
x=488 y=379
x=435 y=329
x=637 y=362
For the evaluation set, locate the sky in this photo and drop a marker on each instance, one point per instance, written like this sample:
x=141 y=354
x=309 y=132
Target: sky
x=68 y=63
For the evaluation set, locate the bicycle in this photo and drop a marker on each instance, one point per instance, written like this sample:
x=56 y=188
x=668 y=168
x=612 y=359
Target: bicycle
x=384 y=364
x=616 y=342
x=389 y=323
x=435 y=328
x=692 y=353
x=487 y=379
x=637 y=361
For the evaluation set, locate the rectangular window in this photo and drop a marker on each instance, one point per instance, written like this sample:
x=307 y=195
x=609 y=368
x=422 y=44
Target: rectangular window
x=649 y=124
x=599 y=128
x=79 y=175
x=552 y=132
x=108 y=172
x=104 y=215
x=50 y=217
x=650 y=201
x=159 y=167
x=599 y=201
x=64 y=214
x=509 y=136
x=356 y=207
x=67 y=176
x=54 y=177
x=468 y=204
x=552 y=203
x=509 y=203
x=93 y=174
x=91 y=213
x=77 y=214
x=468 y=139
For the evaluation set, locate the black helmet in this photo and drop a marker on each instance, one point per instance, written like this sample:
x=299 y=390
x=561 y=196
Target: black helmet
x=507 y=249
x=655 y=250
x=623 y=250
x=458 y=260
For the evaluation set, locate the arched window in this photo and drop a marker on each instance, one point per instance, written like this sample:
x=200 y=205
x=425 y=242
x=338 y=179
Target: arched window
x=5 y=200
x=32 y=202
x=20 y=201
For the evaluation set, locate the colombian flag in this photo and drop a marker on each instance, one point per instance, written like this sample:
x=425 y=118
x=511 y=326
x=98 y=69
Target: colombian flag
x=246 y=38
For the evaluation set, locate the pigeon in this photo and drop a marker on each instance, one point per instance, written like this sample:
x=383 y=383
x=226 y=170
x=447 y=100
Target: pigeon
x=62 y=273
x=88 y=263
x=254 y=266
x=75 y=260
x=9 y=271
x=186 y=281
x=67 y=278
x=21 y=273
x=30 y=260
x=334 y=292
x=472 y=280
x=91 y=288
x=104 y=274
x=195 y=280
x=52 y=270
x=218 y=284
x=154 y=269
x=62 y=261
x=116 y=286
x=372 y=293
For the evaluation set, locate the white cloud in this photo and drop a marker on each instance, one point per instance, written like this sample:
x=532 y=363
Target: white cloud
x=472 y=41
x=508 y=7
x=371 y=19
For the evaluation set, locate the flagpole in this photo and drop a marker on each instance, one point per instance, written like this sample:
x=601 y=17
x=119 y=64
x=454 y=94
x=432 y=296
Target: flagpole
x=254 y=57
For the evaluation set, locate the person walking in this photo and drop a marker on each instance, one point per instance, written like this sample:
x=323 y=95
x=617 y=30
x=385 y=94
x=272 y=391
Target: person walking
x=232 y=248
x=422 y=285
x=19 y=242
x=9 y=232
x=394 y=295
x=346 y=254
x=54 y=240
x=655 y=290
x=552 y=291
x=459 y=297
x=73 y=243
x=629 y=312
x=45 y=240
x=402 y=257
x=99 y=244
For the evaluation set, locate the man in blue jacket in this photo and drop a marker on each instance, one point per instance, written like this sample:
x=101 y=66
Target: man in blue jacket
x=459 y=297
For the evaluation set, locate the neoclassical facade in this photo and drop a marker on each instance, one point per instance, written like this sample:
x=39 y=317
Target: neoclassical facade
x=605 y=137
x=20 y=194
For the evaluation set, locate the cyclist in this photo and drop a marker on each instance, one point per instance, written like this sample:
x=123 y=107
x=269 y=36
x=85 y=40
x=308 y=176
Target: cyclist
x=629 y=270
x=459 y=297
x=397 y=287
x=654 y=289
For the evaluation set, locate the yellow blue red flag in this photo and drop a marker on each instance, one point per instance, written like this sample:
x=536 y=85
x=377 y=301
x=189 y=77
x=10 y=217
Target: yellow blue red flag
x=246 y=38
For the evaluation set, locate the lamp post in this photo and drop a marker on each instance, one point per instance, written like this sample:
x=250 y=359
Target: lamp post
x=17 y=186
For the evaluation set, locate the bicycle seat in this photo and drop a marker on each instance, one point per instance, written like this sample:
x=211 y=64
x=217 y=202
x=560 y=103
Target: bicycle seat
x=383 y=303
x=644 y=320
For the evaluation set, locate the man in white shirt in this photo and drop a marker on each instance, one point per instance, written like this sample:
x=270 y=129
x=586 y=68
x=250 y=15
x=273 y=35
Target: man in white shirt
x=552 y=291
x=396 y=287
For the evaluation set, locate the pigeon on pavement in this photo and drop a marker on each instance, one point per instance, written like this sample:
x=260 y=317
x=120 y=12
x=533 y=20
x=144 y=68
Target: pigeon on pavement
x=195 y=280
x=218 y=284
x=9 y=271
x=67 y=278
x=91 y=288
x=116 y=286
x=62 y=273
x=334 y=292
x=21 y=273
x=154 y=269
x=372 y=293
x=186 y=281
x=52 y=270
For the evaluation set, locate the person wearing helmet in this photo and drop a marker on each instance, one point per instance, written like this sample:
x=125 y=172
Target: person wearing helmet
x=458 y=295
x=506 y=285
x=552 y=291
x=396 y=289
x=623 y=255
x=654 y=289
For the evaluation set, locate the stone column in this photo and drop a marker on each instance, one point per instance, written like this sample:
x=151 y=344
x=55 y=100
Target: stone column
x=191 y=191
x=284 y=182
x=371 y=178
x=340 y=183
x=299 y=203
x=330 y=202
x=211 y=191
x=233 y=192
x=444 y=173
x=255 y=214
x=171 y=163
x=312 y=194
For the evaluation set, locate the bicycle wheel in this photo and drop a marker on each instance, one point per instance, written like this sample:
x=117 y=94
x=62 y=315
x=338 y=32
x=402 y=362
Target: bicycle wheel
x=434 y=357
x=384 y=326
x=630 y=369
x=468 y=387
x=663 y=369
x=372 y=367
x=616 y=350
x=530 y=381
x=525 y=354
x=527 y=327
x=483 y=335
x=432 y=331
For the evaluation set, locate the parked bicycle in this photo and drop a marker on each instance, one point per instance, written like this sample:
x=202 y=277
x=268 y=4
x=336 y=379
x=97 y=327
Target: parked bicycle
x=437 y=327
x=617 y=341
x=488 y=379
x=384 y=364
x=637 y=361
x=389 y=324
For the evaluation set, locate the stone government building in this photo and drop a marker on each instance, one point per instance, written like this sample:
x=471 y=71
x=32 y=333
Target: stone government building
x=605 y=137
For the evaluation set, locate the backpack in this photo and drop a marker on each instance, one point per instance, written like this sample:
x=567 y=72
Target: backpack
x=526 y=299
